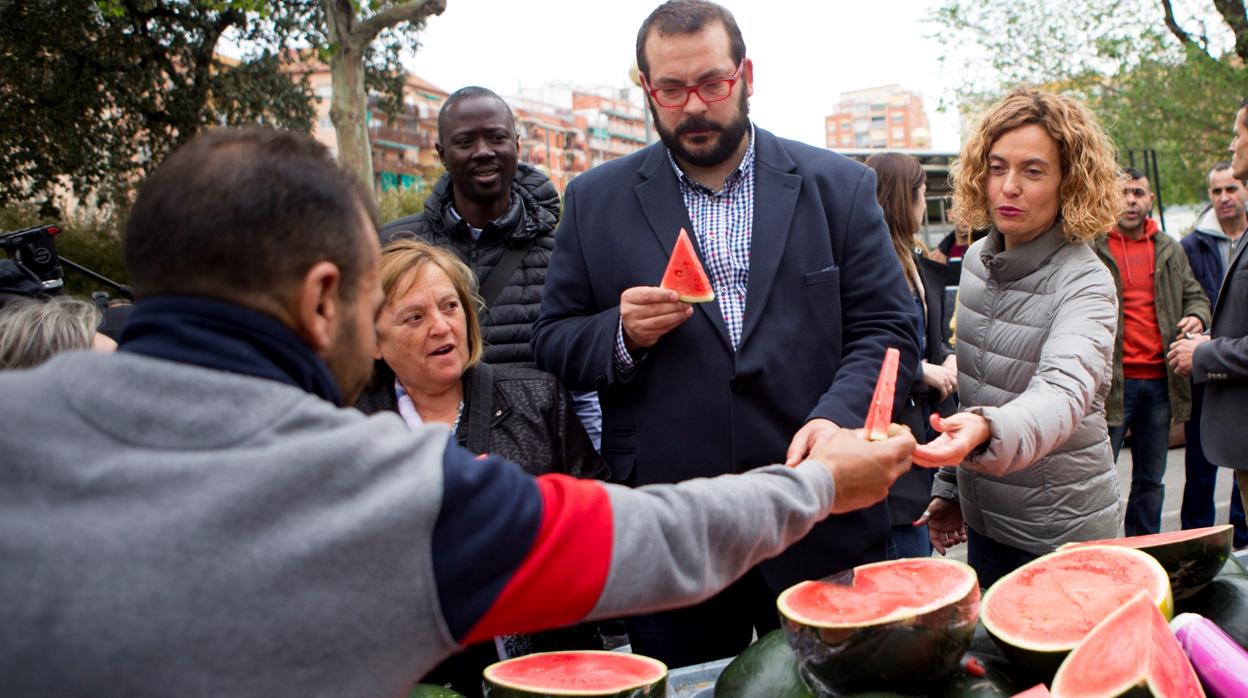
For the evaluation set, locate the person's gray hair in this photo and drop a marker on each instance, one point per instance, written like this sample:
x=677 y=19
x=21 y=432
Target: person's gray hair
x=32 y=331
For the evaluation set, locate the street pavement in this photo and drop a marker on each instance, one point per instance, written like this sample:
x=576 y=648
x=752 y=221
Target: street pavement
x=1174 y=492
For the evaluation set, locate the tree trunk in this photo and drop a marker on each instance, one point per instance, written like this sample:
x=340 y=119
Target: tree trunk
x=349 y=104
x=349 y=112
x=349 y=107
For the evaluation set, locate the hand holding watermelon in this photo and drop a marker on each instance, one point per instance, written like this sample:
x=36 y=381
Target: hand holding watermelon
x=647 y=313
x=863 y=470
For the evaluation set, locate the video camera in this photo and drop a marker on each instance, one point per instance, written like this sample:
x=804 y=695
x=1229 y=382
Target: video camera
x=35 y=249
x=33 y=268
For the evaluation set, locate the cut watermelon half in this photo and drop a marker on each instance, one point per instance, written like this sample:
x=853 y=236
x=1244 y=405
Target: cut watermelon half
x=1038 y=613
x=577 y=673
x=685 y=274
x=881 y=410
x=1132 y=649
x=1192 y=557
x=896 y=625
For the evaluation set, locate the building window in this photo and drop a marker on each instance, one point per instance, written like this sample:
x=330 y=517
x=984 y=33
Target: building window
x=899 y=134
x=898 y=118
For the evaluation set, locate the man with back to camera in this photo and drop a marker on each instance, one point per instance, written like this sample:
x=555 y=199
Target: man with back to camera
x=498 y=216
x=1209 y=247
x=809 y=294
x=1219 y=359
x=1158 y=297
x=195 y=515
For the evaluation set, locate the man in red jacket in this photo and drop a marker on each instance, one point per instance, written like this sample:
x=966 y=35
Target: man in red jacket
x=1159 y=298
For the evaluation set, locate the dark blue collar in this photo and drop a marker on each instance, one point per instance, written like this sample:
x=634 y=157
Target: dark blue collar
x=227 y=337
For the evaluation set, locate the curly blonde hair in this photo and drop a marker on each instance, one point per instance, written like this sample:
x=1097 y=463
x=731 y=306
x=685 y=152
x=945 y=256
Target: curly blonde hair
x=1091 y=190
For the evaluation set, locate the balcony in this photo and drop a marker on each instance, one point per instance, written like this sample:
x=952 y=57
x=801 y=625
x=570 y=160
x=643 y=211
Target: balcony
x=390 y=137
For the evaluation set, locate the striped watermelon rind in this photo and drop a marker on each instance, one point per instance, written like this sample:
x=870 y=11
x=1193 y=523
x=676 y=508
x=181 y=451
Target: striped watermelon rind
x=904 y=649
x=1192 y=557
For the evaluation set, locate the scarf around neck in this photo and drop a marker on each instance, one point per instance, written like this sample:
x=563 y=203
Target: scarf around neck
x=226 y=337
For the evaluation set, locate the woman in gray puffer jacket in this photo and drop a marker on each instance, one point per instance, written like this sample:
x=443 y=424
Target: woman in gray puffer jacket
x=1035 y=340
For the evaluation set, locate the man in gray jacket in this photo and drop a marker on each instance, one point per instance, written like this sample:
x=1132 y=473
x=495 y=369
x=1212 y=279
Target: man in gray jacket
x=195 y=515
x=1219 y=359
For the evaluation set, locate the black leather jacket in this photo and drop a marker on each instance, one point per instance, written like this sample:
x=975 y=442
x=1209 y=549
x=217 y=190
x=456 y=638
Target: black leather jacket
x=528 y=419
x=507 y=325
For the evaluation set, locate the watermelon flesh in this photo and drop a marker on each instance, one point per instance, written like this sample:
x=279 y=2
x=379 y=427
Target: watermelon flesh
x=897 y=625
x=1037 y=691
x=1039 y=612
x=881 y=410
x=1132 y=649
x=685 y=274
x=1192 y=557
x=577 y=673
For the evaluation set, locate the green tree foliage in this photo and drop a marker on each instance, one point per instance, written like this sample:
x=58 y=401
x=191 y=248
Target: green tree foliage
x=92 y=94
x=1160 y=76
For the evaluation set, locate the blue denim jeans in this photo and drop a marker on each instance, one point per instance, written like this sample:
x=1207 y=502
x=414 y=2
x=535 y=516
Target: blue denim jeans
x=905 y=540
x=1146 y=410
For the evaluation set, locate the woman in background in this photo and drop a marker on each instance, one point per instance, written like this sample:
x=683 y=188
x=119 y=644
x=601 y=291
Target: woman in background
x=902 y=192
x=429 y=369
x=1036 y=318
x=33 y=330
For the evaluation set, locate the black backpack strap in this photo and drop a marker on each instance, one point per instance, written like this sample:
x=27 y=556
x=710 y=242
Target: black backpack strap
x=480 y=407
x=493 y=283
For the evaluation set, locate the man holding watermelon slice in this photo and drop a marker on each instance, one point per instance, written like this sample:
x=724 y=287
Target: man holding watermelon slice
x=775 y=352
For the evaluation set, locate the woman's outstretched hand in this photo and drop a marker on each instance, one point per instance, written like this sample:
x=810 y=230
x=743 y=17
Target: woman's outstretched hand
x=960 y=434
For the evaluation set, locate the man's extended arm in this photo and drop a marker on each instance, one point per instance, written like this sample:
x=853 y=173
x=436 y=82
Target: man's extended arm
x=514 y=553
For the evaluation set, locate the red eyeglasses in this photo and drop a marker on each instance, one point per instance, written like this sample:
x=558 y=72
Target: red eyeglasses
x=709 y=92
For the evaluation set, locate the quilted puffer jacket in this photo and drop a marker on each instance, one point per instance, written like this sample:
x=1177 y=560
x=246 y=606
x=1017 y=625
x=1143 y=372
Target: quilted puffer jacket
x=1035 y=348
x=507 y=324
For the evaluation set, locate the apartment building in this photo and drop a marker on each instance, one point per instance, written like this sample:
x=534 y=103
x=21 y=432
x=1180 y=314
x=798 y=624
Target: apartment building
x=886 y=117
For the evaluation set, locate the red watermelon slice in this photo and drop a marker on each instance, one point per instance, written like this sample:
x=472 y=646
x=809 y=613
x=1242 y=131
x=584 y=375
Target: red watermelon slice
x=1132 y=650
x=577 y=673
x=881 y=413
x=685 y=274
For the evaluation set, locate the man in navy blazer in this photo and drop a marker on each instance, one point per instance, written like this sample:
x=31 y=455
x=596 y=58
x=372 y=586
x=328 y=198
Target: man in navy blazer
x=809 y=294
x=1219 y=359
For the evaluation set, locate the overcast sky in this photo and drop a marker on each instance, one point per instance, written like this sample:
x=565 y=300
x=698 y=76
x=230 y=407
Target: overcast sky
x=805 y=52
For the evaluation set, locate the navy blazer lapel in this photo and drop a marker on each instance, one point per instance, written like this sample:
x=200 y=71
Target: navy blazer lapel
x=775 y=200
x=661 y=202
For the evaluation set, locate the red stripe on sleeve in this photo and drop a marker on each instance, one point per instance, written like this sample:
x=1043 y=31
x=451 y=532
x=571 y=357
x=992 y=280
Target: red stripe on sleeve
x=563 y=575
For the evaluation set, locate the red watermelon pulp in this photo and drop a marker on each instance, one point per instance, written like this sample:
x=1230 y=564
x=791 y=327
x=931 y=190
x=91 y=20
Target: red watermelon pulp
x=1038 y=613
x=684 y=273
x=1192 y=557
x=1132 y=650
x=881 y=413
x=897 y=625
x=577 y=673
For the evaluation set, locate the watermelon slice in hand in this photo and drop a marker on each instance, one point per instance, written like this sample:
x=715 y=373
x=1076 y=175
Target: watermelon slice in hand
x=881 y=409
x=684 y=273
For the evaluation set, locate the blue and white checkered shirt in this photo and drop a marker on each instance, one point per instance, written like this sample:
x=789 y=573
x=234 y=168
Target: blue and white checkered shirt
x=723 y=224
